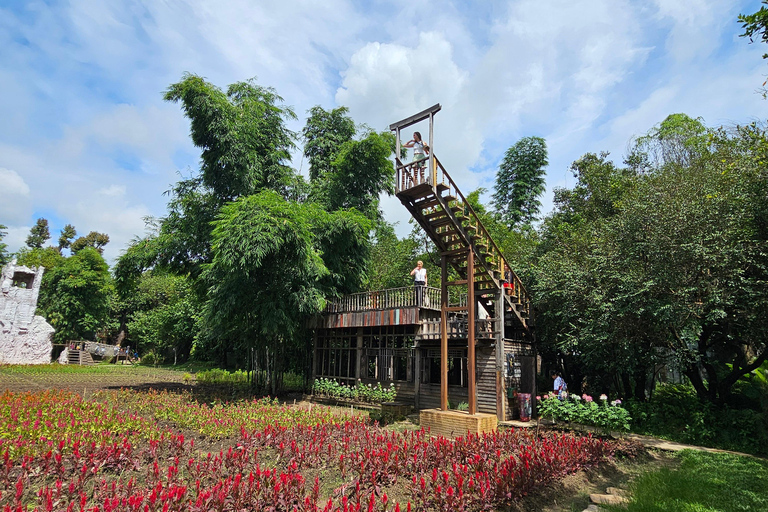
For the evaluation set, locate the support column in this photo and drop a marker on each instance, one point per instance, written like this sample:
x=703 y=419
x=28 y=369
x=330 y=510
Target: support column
x=471 y=307
x=501 y=399
x=444 y=333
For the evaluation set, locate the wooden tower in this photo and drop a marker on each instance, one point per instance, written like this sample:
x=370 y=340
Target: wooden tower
x=437 y=204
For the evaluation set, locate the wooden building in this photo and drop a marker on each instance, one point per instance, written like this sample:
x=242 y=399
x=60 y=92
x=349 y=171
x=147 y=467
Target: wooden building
x=471 y=340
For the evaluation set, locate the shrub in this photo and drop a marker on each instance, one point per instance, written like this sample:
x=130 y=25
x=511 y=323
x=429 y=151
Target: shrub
x=675 y=412
x=606 y=416
x=361 y=392
x=219 y=376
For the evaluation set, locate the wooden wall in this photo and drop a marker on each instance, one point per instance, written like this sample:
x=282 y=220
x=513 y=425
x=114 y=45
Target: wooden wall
x=486 y=378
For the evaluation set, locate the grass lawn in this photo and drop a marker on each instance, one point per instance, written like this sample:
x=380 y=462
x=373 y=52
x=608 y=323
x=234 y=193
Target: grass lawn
x=703 y=482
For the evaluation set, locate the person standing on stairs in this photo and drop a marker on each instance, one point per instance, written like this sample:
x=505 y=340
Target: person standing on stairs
x=420 y=152
x=509 y=282
x=419 y=281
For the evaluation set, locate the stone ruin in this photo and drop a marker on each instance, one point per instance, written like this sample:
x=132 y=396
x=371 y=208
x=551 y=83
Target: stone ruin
x=25 y=338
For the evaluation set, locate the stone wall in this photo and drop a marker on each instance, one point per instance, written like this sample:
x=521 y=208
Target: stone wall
x=24 y=337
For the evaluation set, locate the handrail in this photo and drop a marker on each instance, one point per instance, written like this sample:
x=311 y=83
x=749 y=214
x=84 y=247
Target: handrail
x=518 y=282
x=390 y=298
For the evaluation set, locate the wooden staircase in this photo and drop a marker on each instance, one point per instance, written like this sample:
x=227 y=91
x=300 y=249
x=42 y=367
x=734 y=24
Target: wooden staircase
x=431 y=196
x=454 y=227
x=80 y=357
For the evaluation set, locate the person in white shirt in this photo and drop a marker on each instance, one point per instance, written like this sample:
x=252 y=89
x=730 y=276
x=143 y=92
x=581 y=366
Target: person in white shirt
x=420 y=151
x=560 y=387
x=419 y=281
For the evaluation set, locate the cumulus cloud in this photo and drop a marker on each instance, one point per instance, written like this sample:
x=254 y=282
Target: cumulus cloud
x=90 y=138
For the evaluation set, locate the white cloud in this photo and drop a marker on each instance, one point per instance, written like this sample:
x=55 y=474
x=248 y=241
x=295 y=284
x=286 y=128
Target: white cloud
x=695 y=26
x=113 y=191
x=89 y=136
x=15 y=201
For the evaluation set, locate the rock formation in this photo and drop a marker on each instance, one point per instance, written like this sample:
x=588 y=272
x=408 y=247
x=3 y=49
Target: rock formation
x=24 y=337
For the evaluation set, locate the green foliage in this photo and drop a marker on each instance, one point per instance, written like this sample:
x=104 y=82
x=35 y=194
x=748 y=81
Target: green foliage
x=755 y=25
x=161 y=313
x=391 y=259
x=4 y=257
x=520 y=181
x=583 y=410
x=324 y=135
x=361 y=171
x=664 y=266
x=38 y=234
x=48 y=257
x=675 y=412
x=93 y=239
x=68 y=233
x=360 y=392
x=74 y=296
x=241 y=133
x=264 y=270
x=219 y=376
x=678 y=140
x=703 y=482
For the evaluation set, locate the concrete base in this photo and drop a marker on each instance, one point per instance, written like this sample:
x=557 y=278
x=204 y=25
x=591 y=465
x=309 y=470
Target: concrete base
x=456 y=423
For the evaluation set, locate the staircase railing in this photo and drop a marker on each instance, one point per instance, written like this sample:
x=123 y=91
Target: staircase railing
x=497 y=257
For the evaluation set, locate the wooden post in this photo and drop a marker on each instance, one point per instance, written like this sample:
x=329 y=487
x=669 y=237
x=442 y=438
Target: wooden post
x=359 y=354
x=471 y=307
x=432 y=172
x=444 y=333
x=501 y=400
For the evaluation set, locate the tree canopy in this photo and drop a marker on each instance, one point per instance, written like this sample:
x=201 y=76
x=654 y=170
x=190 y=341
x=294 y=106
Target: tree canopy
x=38 y=234
x=520 y=181
x=661 y=264
x=260 y=247
x=74 y=296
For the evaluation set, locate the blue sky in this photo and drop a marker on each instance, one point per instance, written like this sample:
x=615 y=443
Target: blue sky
x=86 y=139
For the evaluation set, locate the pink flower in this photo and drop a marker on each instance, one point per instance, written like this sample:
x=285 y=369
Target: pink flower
x=603 y=397
x=586 y=397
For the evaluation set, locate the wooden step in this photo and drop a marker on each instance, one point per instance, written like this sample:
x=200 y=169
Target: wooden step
x=449 y=198
x=436 y=214
x=440 y=222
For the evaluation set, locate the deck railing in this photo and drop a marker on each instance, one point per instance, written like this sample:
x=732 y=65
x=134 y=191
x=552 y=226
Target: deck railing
x=412 y=174
x=411 y=296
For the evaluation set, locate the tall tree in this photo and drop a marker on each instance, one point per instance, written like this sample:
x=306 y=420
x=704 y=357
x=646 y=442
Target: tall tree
x=93 y=239
x=361 y=172
x=273 y=263
x=324 y=135
x=75 y=295
x=520 y=181
x=241 y=132
x=38 y=234
x=68 y=233
x=3 y=247
x=664 y=265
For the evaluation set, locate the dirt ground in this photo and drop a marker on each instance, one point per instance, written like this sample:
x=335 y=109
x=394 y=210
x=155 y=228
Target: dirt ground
x=86 y=380
x=567 y=495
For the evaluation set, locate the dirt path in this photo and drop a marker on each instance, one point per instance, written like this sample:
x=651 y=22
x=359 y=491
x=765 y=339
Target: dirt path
x=86 y=380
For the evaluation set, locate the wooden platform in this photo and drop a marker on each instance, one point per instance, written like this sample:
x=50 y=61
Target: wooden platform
x=456 y=423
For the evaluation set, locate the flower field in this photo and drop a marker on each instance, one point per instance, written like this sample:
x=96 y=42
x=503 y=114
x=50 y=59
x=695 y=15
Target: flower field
x=151 y=452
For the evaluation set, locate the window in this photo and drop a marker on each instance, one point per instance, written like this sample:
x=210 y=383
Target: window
x=457 y=367
x=336 y=354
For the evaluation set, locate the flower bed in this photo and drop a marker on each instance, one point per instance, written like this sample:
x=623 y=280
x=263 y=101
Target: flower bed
x=272 y=457
x=603 y=415
x=360 y=392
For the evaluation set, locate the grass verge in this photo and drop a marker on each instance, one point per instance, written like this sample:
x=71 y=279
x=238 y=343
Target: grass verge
x=703 y=482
